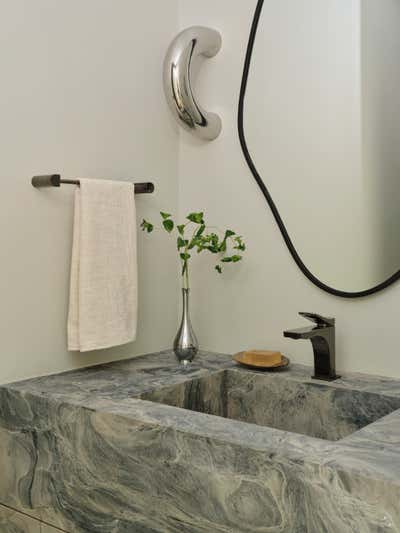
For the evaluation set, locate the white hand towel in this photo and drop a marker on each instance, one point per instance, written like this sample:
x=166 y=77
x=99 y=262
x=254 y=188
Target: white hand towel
x=103 y=291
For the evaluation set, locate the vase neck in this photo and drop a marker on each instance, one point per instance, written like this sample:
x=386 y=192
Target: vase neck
x=185 y=300
x=185 y=294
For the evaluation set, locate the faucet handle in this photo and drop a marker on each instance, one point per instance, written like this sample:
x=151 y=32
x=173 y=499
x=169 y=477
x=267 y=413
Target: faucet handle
x=320 y=320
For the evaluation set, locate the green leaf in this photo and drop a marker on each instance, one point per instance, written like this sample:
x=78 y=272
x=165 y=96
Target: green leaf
x=211 y=242
x=200 y=231
x=214 y=245
x=168 y=225
x=240 y=245
x=193 y=243
x=222 y=246
x=231 y=259
x=181 y=243
x=146 y=226
x=197 y=218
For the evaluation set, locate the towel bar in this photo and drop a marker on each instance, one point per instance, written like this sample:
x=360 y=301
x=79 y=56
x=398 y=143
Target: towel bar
x=55 y=180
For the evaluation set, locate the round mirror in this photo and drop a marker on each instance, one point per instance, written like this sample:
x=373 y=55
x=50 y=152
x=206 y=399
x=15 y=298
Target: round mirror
x=319 y=124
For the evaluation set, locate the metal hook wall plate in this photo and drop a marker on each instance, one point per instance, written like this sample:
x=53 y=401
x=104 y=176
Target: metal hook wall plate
x=178 y=71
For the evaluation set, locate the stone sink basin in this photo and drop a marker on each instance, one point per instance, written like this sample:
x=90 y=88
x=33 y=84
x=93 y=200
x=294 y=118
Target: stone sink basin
x=272 y=400
x=146 y=445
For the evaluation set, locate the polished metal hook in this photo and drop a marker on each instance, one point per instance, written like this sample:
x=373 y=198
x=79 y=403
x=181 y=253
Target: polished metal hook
x=178 y=71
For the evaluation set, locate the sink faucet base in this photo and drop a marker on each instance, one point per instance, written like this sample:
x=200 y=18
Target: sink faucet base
x=326 y=378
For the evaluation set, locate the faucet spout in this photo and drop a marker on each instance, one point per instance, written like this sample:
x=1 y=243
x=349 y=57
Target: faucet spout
x=322 y=337
x=300 y=333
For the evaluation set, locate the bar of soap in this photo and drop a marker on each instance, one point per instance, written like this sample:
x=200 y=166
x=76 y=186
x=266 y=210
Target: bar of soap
x=262 y=357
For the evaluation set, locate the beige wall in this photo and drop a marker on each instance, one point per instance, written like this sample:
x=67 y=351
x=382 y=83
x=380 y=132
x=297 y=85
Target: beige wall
x=251 y=306
x=81 y=94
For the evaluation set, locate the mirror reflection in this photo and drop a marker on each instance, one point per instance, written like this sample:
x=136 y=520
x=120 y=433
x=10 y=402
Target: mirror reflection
x=323 y=116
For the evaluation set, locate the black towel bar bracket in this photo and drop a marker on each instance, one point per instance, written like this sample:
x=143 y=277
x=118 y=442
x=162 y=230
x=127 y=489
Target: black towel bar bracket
x=55 y=180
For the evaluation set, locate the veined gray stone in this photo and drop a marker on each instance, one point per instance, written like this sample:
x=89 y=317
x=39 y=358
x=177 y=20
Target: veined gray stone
x=110 y=449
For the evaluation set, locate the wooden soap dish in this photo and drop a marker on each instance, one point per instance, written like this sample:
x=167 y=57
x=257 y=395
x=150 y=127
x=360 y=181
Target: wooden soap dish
x=262 y=359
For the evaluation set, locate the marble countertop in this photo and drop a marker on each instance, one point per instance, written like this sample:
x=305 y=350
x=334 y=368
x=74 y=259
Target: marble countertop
x=114 y=387
x=83 y=452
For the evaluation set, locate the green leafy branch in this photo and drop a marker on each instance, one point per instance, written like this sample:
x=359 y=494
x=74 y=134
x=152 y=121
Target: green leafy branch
x=229 y=246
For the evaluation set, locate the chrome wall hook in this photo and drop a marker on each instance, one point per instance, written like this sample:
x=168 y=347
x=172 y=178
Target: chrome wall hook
x=178 y=71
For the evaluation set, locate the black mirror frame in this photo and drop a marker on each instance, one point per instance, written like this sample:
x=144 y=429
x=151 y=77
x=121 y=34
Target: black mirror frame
x=265 y=191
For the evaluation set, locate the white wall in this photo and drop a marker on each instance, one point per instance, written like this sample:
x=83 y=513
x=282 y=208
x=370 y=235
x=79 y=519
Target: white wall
x=253 y=304
x=303 y=128
x=380 y=38
x=81 y=94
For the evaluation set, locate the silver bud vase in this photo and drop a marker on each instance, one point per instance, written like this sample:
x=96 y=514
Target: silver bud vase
x=185 y=343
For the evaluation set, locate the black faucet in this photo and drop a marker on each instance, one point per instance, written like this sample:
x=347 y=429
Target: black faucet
x=322 y=337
